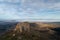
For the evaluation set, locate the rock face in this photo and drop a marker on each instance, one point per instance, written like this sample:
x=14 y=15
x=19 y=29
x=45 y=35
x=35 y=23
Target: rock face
x=23 y=26
x=28 y=27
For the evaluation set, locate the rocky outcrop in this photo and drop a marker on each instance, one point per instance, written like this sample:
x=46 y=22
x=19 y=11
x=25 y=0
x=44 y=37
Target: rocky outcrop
x=23 y=26
x=28 y=27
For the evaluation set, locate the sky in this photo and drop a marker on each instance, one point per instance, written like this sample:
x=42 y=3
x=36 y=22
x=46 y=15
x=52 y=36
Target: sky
x=45 y=10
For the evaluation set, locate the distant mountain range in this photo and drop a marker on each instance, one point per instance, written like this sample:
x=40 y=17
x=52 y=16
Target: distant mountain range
x=4 y=26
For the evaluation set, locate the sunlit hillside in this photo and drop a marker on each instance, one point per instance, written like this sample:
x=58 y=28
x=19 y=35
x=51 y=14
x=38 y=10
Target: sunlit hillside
x=31 y=31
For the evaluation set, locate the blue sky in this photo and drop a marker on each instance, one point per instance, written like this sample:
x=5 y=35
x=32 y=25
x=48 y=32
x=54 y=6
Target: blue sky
x=48 y=10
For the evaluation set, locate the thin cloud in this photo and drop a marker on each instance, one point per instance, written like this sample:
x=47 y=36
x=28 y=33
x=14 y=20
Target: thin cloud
x=30 y=9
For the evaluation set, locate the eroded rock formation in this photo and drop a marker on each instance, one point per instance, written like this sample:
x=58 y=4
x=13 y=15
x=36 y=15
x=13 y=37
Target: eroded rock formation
x=23 y=26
